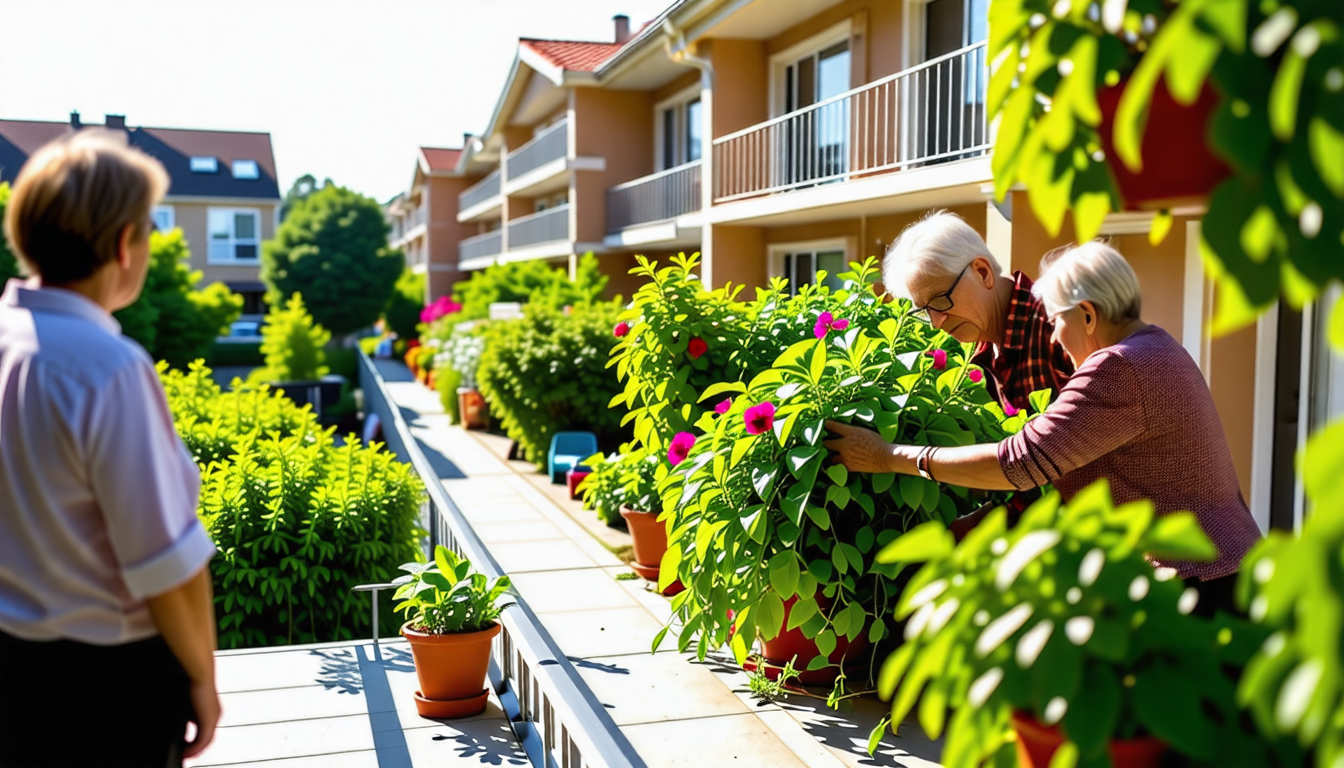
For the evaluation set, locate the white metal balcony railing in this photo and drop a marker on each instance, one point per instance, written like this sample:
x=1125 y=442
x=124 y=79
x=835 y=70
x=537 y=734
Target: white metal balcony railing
x=479 y=192
x=551 y=144
x=544 y=227
x=657 y=197
x=933 y=112
x=487 y=244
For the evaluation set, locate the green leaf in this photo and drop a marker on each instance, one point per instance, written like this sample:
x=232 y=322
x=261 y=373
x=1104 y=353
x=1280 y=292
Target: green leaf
x=838 y=474
x=798 y=458
x=826 y=643
x=1178 y=536
x=838 y=495
x=735 y=387
x=1092 y=718
x=667 y=570
x=769 y=616
x=912 y=491
x=818 y=362
x=1168 y=705
x=794 y=502
x=875 y=736
x=882 y=482
x=1040 y=400
x=801 y=611
x=784 y=573
x=763 y=480
x=925 y=542
x=819 y=516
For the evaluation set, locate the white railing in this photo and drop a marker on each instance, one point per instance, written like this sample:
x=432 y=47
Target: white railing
x=551 y=144
x=544 y=227
x=487 y=244
x=930 y=113
x=479 y=192
x=663 y=195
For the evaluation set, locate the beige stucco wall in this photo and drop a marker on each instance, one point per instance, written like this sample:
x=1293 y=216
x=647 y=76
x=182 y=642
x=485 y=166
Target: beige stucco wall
x=192 y=219
x=444 y=234
x=618 y=127
x=741 y=84
x=876 y=37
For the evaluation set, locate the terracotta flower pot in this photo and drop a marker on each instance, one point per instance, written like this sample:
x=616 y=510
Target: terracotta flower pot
x=649 y=539
x=1178 y=166
x=792 y=643
x=471 y=408
x=451 y=670
x=1036 y=745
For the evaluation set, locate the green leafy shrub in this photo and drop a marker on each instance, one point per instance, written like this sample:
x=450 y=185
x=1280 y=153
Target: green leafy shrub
x=529 y=282
x=446 y=382
x=402 y=313
x=546 y=373
x=233 y=354
x=299 y=521
x=295 y=348
x=626 y=478
x=446 y=596
x=9 y=266
x=343 y=361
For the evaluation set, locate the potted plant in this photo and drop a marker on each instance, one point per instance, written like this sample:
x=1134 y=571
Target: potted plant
x=1060 y=630
x=452 y=617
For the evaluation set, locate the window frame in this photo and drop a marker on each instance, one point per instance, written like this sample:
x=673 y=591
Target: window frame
x=679 y=104
x=780 y=62
x=172 y=216
x=234 y=241
x=201 y=160
x=256 y=169
x=777 y=253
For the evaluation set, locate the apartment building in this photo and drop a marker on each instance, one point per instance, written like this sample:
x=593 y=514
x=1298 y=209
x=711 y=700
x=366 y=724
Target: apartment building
x=222 y=191
x=424 y=221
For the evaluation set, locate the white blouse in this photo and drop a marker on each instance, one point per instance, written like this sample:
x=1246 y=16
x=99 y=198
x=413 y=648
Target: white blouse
x=98 y=494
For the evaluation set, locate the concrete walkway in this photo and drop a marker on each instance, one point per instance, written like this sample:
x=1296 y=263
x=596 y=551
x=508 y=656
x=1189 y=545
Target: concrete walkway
x=674 y=710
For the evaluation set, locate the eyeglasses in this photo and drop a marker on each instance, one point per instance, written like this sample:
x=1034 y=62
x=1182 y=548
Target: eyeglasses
x=941 y=302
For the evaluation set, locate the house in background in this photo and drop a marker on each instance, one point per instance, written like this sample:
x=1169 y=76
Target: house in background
x=222 y=192
x=423 y=220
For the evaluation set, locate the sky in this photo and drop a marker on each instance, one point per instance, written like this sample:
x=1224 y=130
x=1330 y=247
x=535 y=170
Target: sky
x=346 y=89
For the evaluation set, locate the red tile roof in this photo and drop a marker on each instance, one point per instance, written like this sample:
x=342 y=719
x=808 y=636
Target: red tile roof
x=572 y=55
x=441 y=159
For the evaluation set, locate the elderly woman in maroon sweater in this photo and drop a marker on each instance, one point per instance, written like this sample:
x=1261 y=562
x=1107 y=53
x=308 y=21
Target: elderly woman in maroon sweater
x=1137 y=412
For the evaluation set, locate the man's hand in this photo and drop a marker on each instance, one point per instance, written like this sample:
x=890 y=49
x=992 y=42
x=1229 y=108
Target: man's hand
x=859 y=449
x=205 y=702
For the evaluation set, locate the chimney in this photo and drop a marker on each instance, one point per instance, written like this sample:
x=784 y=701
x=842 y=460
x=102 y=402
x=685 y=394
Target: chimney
x=116 y=122
x=74 y=121
x=622 y=23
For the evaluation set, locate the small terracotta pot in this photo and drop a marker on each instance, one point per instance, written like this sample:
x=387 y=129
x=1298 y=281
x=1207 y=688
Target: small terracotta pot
x=1178 y=167
x=471 y=408
x=429 y=380
x=648 y=534
x=451 y=668
x=792 y=642
x=1036 y=745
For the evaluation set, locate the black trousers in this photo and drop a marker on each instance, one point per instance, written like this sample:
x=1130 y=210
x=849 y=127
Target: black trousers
x=66 y=704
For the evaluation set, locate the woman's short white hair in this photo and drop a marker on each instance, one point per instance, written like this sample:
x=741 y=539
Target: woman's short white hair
x=939 y=245
x=1093 y=272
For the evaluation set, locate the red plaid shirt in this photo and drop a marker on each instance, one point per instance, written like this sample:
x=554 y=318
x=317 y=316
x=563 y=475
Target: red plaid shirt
x=1027 y=360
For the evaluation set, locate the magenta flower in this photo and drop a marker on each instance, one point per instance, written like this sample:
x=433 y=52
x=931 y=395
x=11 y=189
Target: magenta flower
x=1009 y=410
x=621 y=329
x=723 y=407
x=976 y=376
x=696 y=347
x=826 y=322
x=680 y=447
x=939 y=358
x=760 y=418
x=440 y=307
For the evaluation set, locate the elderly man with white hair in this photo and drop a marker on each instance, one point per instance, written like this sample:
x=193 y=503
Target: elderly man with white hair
x=943 y=265
x=1137 y=412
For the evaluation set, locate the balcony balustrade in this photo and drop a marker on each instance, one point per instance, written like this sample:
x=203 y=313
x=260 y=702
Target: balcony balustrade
x=657 y=197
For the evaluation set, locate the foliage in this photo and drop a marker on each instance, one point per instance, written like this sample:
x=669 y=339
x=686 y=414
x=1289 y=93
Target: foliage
x=9 y=266
x=446 y=383
x=1295 y=685
x=299 y=521
x=762 y=687
x=332 y=248
x=302 y=187
x=404 y=304
x=528 y=282
x=1276 y=223
x=625 y=478
x=294 y=347
x=546 y=373
x=235 y=354
x=171 y=319
x=1063 y=618
x=445 y=596
x=461 y=353
x=753 y=519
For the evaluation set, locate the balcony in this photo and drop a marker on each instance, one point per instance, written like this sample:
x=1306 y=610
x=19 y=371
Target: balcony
x=548 y=226
x=480 y=251
x=539 y=159
x=410 y=227
x=658 y=197
x=481 y=198
x=929 y=114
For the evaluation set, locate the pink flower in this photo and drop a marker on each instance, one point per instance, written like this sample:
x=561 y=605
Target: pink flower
x=826 y=322
x=680 y=447
x=939 y=358
x=1009 y=410
x=723 y=407
x=760 y=418
x=696 y=347
x=440 y=307
x=621 y=329
x=976 y=376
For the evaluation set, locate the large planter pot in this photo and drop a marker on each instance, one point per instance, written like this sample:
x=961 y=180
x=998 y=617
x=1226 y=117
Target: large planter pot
x=793 y=644
x=451 y=670
x=648 y=537
x=1036 y=745
x=1178 y=166
x=471 y=408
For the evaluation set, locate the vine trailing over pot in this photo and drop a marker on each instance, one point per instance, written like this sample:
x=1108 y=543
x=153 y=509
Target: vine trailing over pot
x=754 y=520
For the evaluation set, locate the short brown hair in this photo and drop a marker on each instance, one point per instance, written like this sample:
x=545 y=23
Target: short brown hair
x=74 y=197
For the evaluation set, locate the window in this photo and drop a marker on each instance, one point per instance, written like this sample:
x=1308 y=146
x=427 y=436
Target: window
x=235 y=235
x=245 y=169
x=679 y=130
x=799 y=263
x=205 y=165
x=163 y=217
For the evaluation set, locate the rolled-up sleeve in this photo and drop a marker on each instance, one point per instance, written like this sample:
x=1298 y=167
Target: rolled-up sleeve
x=1098 y=411
x=146 y=484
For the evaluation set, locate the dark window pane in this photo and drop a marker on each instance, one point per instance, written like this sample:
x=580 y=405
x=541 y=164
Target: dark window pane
x=245 y=252
x=669 y=137
x=693 y=131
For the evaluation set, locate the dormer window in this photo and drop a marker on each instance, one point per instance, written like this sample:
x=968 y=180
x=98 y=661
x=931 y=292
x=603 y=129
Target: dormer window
x=245 y=169
x=204 y=165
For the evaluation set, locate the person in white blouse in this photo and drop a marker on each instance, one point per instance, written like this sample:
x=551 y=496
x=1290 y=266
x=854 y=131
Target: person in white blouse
x=107 y=624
